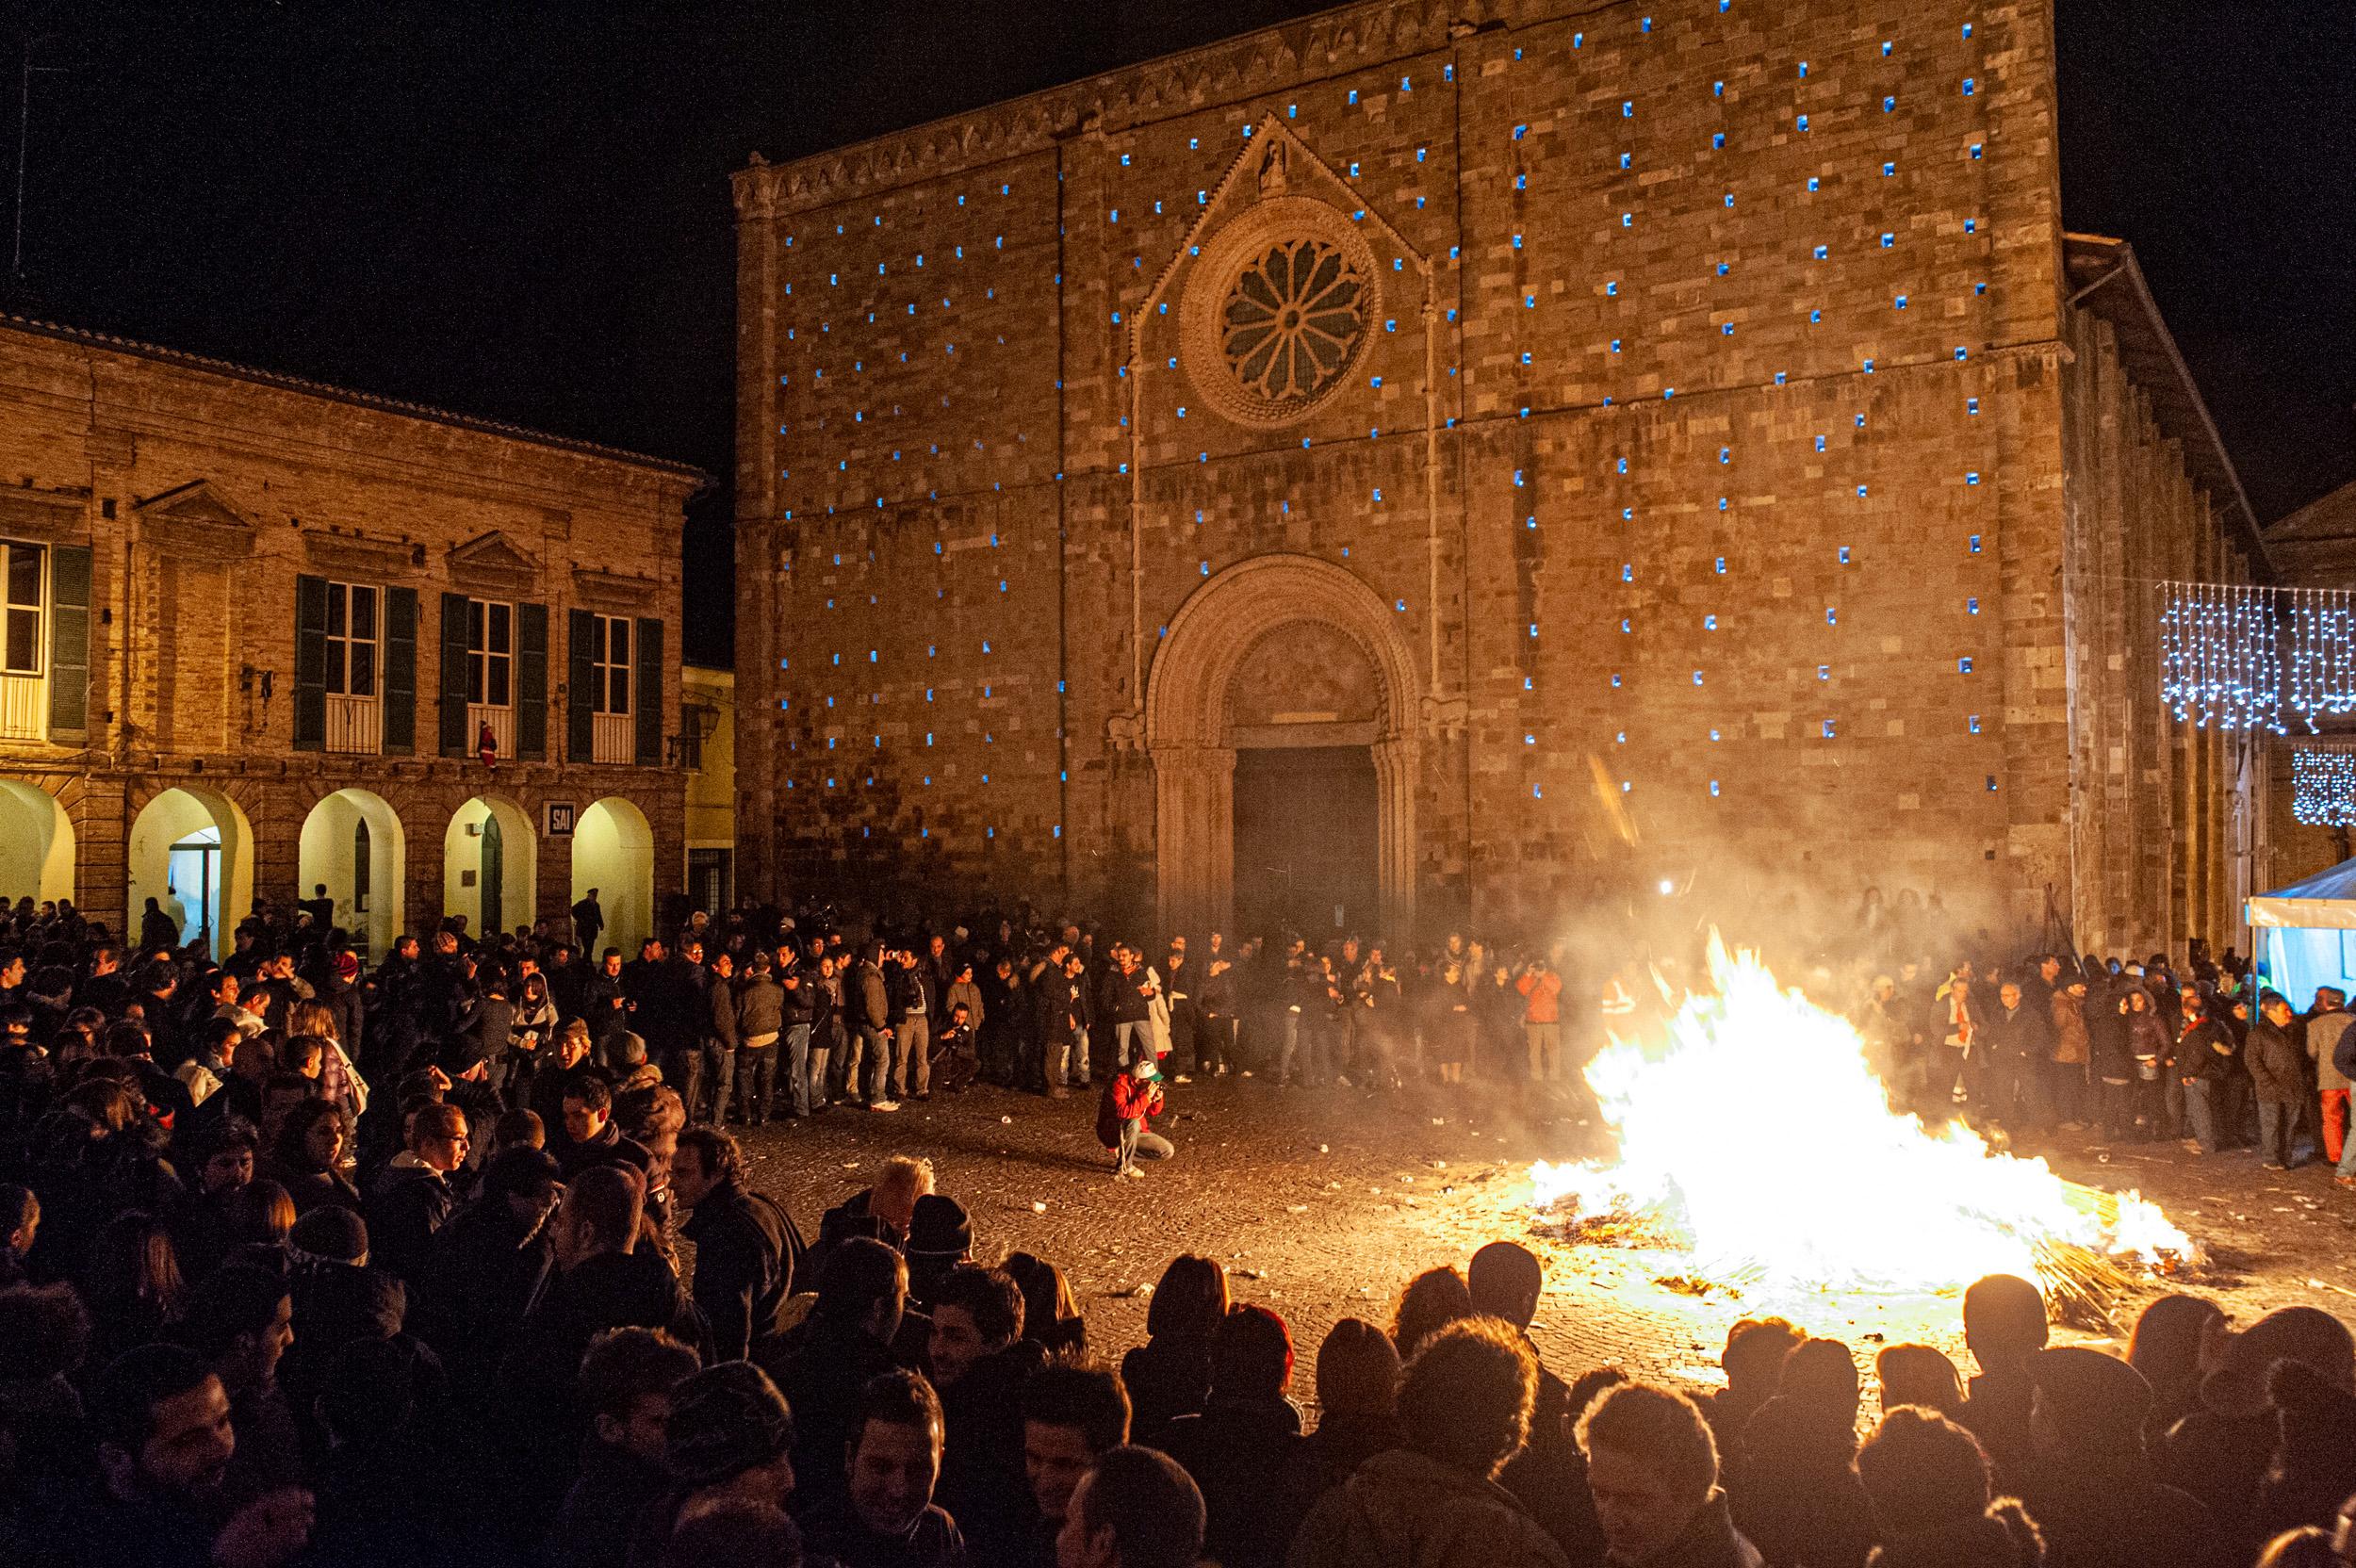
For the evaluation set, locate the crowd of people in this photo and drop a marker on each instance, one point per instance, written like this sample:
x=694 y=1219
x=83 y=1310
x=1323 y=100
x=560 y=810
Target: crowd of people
x=452 y=1258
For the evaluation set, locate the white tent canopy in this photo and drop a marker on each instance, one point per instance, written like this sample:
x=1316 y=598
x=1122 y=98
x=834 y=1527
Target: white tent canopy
x=2307 y=934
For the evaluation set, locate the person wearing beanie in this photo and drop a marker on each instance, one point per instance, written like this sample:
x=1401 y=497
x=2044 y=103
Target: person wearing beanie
x=2090 y=1487
x=941 y=1237
x=729 y=1438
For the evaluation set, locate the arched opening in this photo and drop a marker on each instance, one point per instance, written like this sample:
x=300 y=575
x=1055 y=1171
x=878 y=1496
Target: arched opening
x=1344 y=705
x=352 y=843
x=490 y=866
x=192 y=851
x=36 y=844
x=613 y=852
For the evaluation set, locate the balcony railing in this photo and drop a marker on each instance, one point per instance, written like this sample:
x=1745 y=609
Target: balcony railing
x=24 y=707
x=502 y=723
x=355 y=725
x=612 y=737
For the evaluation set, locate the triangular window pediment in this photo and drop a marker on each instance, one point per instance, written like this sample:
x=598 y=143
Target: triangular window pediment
x=490 y=553
x=198 y=519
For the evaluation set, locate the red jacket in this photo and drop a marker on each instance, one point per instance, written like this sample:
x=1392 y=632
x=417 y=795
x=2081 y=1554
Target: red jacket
x=1544 y=991
x=1125 y=1099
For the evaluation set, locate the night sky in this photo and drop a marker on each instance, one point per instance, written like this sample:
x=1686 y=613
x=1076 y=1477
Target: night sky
x=522 y=211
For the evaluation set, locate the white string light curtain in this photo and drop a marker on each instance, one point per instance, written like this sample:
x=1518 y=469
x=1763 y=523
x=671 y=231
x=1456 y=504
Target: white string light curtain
x=2323 y=785
x=2227 y=653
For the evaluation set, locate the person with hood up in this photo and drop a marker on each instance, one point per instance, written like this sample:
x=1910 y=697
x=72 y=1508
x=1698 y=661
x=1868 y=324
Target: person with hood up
x=1464 y=1404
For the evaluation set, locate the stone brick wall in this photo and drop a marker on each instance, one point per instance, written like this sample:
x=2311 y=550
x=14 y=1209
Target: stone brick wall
x=204 y=490
x=1708 y=447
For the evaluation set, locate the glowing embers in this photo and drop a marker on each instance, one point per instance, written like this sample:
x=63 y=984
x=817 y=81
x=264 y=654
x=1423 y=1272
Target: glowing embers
x=1809 y=1180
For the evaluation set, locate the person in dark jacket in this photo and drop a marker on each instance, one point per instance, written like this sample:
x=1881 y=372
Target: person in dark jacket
x=2090 y=1489
x=757 y=1026
x=889 y=1518
x=2011 y=1046
x=1358 y=1401
x=720 y=1037
x=747 y=1248
x=591 y=1138
x=1795 y=1493
x=486 y=1265
x=1169 y=1375
x=2003 y=1325
x=1465 y=1406
x=2203 y=1059
x=411 y=1197
x=824 y=1363
x=884 y=1212
x=605 y=1004
x=868 y=1001
x=1929 y=1482
x=603 y=1280
x=1244 y=1449
x=1504 y=1281
x=626 y=1377
x=2278 y=1077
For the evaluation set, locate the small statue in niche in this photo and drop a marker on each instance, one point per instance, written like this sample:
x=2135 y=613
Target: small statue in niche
x=1272 y=169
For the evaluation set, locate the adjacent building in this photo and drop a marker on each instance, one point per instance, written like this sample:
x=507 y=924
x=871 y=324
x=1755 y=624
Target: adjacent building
x=263 y=634
x=1436 y=460
x=708 y=742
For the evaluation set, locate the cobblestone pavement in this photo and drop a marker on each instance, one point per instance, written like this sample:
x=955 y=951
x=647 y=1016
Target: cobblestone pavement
x=1321 y=1205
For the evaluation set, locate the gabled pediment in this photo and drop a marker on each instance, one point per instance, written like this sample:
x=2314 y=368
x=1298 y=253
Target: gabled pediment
x=1277 y=300
x=1276 y=164
x=199 y=517
x=492 y=553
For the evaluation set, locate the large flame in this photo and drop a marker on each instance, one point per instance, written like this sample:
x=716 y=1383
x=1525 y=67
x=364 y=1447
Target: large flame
x=1760 y=1137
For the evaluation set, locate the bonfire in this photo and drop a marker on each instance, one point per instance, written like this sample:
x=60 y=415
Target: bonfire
x=1757 y=1139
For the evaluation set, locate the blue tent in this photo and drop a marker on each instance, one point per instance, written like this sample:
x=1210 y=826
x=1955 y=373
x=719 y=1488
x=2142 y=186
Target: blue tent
x=2307 y=934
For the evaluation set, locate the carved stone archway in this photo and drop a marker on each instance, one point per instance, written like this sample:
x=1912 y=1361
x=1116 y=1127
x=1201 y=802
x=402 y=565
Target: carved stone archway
x=1194 y=755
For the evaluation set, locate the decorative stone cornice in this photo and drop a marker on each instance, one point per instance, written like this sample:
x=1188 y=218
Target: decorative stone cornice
x=594 y=586
x=363 y=553
x=31 y=514
x=1268 y=61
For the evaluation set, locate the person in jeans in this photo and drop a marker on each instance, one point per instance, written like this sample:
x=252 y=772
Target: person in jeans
x=759 y=1016
x=911 y=1025
x=720 y=1035
x=1542 y=1020
x=1130 y=990
x=2277 y=1078
x=2202 y=1060
x=870 y=1002
x=1128 y=1099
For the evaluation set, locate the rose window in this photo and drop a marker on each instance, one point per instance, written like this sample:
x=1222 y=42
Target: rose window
x=1293 y=321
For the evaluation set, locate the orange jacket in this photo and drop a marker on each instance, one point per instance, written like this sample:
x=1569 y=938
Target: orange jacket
x=1545 y=992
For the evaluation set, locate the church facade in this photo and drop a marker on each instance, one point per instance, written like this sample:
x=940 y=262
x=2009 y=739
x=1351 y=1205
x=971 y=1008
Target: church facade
x=1438 y=462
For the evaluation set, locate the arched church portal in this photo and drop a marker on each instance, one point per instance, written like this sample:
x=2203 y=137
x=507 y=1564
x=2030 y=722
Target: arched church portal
x=1279 y=718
